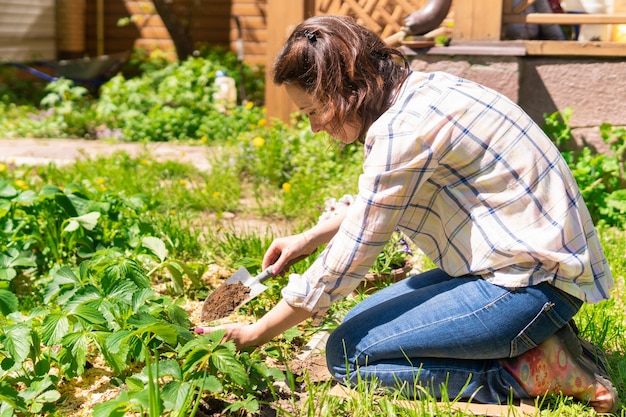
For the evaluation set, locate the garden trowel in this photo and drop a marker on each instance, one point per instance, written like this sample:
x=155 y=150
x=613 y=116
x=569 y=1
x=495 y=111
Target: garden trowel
x=236 y=291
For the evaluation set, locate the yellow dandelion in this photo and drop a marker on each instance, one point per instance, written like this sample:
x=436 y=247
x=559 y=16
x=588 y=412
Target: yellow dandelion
x=203 y=139
x=249 y=105
x=182 y=182
x=21 y=184
x=258 y=141
x=145 y=162
x=3 y=167
x=262 y=122
x=156 y=52
x=172 y=211
x=100 y=180
x=216 y=194
x=286 y=187
x=103 y=188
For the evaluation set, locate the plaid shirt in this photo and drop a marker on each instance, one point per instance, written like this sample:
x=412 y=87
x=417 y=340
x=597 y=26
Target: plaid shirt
x=476 y=185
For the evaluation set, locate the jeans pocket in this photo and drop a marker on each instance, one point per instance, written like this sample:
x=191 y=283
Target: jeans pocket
x=543 y=325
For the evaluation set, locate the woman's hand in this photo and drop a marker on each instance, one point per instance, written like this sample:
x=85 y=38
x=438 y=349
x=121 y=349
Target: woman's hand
x=240 y=333
x=286 y=250
x=277 y=320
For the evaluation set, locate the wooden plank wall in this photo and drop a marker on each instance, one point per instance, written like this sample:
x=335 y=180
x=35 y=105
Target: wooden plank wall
x=253 y=18
x=209 y=22
x=146 y=30
x=27 y=30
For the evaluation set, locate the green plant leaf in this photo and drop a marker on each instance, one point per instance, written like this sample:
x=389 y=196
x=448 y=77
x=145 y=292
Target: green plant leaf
x=122 y=270
x=26 y=197
x=62 y=279
x=178 y=315
x=36 y=388
x=156 y=246
x=89 y=314
x=175 y=394
x=7 y=274
x=49 y=190
x=140 y=297
x=65 y=275
x=210 y=383
x=55 y=326
x=87 y=221
x=194 y=273
x=76 y=345
x=7 y=190
x=17 y=341
x=171 y=368
x=7 y=364
x=9 y=395
x=134 y=384
x=115 y=340
x=5 y=207
x=66 y=204
x=142 y=398
x=113 y=408
x=164 y=331
x=12 y=258
x=250 y=404
x=9 y=302
x=225 y=360
x=117 y=360
x=42 y=367
x=177 y=278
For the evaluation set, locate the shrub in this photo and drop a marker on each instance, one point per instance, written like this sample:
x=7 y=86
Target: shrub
x=600 y=177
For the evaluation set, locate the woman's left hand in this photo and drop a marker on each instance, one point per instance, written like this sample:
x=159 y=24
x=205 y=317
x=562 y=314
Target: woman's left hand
x=240 y=333
x=274 y=322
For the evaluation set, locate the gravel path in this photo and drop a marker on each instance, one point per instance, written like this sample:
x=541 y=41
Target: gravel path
x=63 y=151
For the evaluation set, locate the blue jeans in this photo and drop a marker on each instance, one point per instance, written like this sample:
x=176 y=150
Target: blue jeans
x=432 y=329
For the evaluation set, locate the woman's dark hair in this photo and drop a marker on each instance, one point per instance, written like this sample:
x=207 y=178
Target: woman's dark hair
x=347 y=67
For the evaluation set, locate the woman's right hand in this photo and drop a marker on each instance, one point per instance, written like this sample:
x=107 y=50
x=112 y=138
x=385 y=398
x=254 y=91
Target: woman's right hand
x=284 y=250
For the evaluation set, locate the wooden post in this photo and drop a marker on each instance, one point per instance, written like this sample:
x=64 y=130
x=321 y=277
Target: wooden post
x=477 y=20
x=282 y=17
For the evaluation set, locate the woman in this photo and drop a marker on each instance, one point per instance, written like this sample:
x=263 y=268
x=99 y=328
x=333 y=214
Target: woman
x=473 y=182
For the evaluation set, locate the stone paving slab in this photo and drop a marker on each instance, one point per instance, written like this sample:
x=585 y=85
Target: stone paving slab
x=64 y=151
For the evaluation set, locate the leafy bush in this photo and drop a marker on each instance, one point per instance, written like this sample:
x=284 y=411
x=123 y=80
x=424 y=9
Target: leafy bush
x=299 y=166
x=14 y=89
x=168 y=103
x=600 y=177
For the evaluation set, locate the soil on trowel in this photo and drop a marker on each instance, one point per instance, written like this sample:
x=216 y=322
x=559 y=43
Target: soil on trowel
x=223 y=301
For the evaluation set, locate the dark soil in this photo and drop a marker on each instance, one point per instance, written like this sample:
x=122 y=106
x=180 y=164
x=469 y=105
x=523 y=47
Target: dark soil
x=223 y=301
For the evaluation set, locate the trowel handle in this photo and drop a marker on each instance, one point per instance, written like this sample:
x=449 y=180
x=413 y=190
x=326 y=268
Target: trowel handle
x=267 y=274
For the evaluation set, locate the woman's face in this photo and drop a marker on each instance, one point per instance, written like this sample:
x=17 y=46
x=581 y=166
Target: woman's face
x=310 y=106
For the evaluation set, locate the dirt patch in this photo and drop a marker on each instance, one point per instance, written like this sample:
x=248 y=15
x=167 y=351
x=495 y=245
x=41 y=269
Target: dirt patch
x=223 y=301
x=313 y=365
